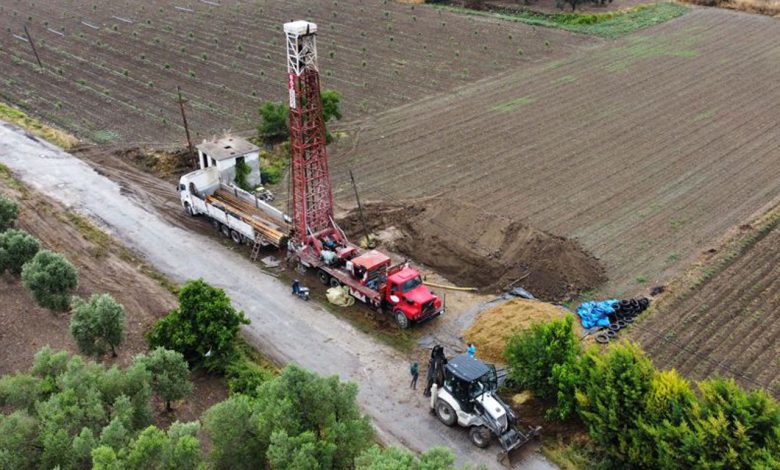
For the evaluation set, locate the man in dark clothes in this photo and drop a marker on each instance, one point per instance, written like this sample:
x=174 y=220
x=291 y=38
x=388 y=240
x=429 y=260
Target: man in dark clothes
x=415 y=371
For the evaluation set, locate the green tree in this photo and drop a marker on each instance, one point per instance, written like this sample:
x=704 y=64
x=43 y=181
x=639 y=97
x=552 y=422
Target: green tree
x=170 y=374
x=19 y=444
x=9 y=211
x=16 y=248
x=611 y=396
x=273 y=123
x=231 y=425
x=298 y=417
x=544 y=359
x=242 y=171
x=178 y=449
x=204 y=327
x=98 y=325
x=393 y=458
x=51 y=279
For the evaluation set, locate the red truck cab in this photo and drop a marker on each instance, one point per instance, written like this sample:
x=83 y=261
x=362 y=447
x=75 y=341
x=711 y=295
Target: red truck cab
x=399 y=289
x=409 y=299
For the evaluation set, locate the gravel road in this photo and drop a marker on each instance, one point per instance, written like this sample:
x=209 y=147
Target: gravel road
x=282 y=327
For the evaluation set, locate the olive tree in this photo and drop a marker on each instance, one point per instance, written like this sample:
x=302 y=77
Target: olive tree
x=9 y=211
x=16 y=248
x=98 y=325
x=170 y=374
x=51 y=279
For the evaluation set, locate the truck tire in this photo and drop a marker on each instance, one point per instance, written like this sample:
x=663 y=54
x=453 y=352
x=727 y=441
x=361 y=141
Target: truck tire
x=401 y=320
x=236 y=237
x=216 y=224
x=225 y=231
x=188 y=209
x=324 y=277
x=480 y=436
x=334 y=282
x=445 y=413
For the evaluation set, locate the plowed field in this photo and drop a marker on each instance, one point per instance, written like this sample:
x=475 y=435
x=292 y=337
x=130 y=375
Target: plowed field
x=729 y=326
x=111 y=68
x=643 y=150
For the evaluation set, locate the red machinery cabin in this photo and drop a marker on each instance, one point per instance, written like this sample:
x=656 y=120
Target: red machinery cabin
x=408 y=296
x=369 y=267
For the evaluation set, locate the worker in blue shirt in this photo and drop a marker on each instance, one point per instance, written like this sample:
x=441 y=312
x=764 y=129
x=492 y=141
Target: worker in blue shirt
x=472 y=350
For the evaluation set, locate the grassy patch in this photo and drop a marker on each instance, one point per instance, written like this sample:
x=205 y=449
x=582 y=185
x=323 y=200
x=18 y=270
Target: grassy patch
x=608 y=24
x=37 y=128
x=511 y=105
x=705 y=116
x=103 y=137
x=273 y=164
x=572 y=456
x=100 y=240
x=564 y=79
x=8 y=178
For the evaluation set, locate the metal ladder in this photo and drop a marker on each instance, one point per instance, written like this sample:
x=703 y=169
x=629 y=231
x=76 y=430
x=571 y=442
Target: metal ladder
x=256 y=247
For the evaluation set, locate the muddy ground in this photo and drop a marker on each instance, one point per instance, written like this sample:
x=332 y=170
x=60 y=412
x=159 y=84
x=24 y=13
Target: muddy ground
x=104 y=267
x=475 y=248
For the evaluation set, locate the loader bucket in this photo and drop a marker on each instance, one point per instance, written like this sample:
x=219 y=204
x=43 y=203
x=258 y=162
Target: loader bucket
x=514 y=439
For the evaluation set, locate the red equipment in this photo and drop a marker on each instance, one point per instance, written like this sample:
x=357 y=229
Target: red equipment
x=316 y=240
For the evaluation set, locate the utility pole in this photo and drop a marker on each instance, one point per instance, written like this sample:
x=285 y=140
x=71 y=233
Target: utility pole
x=32 y=44
x=186 y=127
x=369 y=243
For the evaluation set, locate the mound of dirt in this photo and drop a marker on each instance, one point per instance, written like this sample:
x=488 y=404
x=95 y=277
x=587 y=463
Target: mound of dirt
x=474 y=248
x=492 y=327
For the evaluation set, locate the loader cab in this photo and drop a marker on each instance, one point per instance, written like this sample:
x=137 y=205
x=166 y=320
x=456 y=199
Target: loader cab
x=466 y=379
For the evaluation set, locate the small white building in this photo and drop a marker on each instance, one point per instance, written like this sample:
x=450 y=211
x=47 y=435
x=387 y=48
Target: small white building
x=224 y=153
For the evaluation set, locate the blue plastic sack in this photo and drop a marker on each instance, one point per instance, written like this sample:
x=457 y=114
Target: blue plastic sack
x=596 y=313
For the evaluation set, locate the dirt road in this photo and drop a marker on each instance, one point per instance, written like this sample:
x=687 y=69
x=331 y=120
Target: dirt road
x=283 y=328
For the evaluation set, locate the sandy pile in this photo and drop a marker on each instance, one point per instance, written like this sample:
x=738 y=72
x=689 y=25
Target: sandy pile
x=475 y=248
x=492 y=327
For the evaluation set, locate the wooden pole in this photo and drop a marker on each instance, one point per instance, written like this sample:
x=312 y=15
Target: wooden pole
x=186 y=127
x=369 y=244
x=32 y=44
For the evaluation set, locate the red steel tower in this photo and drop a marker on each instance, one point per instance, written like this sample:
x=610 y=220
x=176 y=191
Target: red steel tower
x=312 y=197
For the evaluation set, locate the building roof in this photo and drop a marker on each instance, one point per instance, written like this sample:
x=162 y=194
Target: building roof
x=227 y=147
x=467 y=368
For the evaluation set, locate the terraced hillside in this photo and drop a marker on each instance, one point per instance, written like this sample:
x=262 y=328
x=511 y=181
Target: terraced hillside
x=643 y=150
x=111 y=68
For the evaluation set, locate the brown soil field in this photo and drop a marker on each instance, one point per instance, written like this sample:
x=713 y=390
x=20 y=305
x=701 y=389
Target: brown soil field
x=111 y=68
x=104 y=267
x=643 y=150
x=727 y=323
x=503 y=253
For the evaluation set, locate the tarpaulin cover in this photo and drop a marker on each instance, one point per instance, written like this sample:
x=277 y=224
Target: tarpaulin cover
x=596 y=313
x=340 y=296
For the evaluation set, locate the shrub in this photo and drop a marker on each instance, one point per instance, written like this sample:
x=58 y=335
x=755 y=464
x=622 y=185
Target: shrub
x=544 y=360
x=245 y=376
x=273 y=124
x=51 y=279
x=98 y=325
x=610 y=398
x=242 y=171
x=9 y=211
x=204 y=327
x=16 y=248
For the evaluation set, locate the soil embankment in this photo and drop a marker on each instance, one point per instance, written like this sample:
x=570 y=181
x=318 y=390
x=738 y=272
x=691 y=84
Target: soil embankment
x=475 y=248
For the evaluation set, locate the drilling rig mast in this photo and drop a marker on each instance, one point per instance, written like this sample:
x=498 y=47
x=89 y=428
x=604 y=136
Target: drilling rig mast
x=312 y=197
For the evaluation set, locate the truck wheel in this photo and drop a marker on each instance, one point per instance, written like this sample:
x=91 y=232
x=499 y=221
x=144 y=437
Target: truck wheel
x=401 y=320
x=334 y=282
x=236 y=237
x=225 y=231
x=324 y=277
x=445 y=413
x=188 y=209
x=217 y=226
x=480 y=436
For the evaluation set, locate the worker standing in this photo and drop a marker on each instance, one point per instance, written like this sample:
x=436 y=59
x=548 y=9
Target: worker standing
x=296 y=287
x=415 y=371
x=472 y=350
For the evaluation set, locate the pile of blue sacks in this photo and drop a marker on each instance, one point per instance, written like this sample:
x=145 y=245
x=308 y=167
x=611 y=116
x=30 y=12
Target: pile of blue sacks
x=596 y=313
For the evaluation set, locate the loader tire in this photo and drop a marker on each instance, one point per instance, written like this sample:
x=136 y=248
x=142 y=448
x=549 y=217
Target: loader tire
x=188 y=209
x=480 y=436
x=401 y=320
x=445 y=413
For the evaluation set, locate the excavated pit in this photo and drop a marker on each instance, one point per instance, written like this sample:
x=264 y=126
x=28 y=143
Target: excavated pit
x=474 y=248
